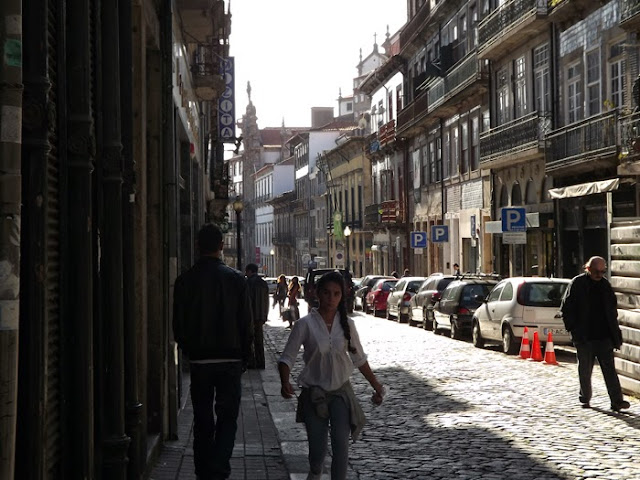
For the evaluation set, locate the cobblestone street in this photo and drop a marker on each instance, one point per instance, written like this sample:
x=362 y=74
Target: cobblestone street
x=455 y=411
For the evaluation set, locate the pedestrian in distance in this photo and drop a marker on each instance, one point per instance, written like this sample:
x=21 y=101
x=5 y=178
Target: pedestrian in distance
x=327 y=402
x=293 y=292
x=280 y=295
x=212 y=326
x=394 y=274
x=405 y=273
x=259 y=297
x=589 y=311
x=456 y=269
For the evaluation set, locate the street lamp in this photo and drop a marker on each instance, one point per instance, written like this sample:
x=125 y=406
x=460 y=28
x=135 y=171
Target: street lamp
x=273 y=263
x=238 y=206
x=347 y=234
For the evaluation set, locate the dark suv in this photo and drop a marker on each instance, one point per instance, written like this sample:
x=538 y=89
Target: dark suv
x=455 y=306
x=311 y=279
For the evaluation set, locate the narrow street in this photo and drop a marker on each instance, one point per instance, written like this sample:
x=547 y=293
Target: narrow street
x=455 y=411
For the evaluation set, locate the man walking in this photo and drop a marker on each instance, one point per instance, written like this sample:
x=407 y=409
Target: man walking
x=212 y=326
x=259 y=296
x=589 y=311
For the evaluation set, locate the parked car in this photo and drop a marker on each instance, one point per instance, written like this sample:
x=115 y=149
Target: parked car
x=311 y=279
x=376 y=299
x=271 y=282
x=421 y=308
x=455 y=306
x=400 y=297
x=518 y=302
x=365 y=287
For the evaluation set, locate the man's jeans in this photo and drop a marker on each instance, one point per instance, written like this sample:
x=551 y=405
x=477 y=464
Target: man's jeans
x=317 y=429
x=213 y=438
x=587 y=352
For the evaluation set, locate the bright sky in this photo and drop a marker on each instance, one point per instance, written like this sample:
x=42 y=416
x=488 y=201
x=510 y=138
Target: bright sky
x=297 y=54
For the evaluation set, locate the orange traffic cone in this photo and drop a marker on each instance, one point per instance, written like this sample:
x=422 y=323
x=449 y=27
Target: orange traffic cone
x=549 y=353
x=525 y=351
x=536 y=353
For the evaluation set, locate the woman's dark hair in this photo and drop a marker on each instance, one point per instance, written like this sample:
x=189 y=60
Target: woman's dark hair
x=336 y=277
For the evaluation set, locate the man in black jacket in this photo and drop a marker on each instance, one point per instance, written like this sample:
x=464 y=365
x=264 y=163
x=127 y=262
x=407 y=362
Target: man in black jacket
x=259 y=296
x=212 y=325
x=589 y=311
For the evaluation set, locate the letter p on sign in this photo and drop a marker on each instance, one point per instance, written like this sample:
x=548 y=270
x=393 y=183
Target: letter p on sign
x=514 y=220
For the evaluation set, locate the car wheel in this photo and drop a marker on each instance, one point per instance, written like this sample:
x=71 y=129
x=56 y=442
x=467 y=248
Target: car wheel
x=509 y=344
x=400 y=318
x=388 y=313
x=478 y=341
x=436 y=330
x=426 y=323
x=455 y=332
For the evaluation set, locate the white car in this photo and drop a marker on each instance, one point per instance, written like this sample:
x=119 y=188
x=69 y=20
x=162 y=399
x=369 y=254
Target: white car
x=518 y=302
x=399 y=300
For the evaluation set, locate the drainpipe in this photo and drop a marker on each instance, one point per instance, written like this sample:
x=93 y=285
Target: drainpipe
x=10 y=201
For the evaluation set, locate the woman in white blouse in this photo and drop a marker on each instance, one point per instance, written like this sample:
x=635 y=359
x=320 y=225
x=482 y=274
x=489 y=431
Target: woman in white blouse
x=327 y=401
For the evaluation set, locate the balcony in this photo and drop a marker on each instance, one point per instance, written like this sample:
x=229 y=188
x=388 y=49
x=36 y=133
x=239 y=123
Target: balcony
x=387 y=133
x=630 y=14
x=208 y=83
x=572 y=11
x=372 y=215
x=409 y=118
x=411 y=38
x=284 y=238
x=519 y=140
x=391 y=212
x=629 y=145
x=510 y=25
x=583 y=146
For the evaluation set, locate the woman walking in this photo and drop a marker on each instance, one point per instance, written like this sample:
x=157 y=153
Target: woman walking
x=292 y=294
x=327 y=402
x=281 y=292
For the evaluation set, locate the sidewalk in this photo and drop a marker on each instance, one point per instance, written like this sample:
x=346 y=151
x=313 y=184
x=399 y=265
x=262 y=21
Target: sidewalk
x=270 y=445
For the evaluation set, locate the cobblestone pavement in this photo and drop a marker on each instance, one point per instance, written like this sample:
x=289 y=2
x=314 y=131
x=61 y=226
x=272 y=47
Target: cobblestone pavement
x=457 y=412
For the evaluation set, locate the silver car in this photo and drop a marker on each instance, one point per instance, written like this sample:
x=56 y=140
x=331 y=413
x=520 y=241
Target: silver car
x=399 y=300
x=518 y=302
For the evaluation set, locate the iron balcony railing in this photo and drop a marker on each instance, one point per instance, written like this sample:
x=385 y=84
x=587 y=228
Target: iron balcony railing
x=372 y=214
x=630 y=136
x=629 y=9
x=520 y=134
x=506 y=17
x=596 y=135
x=413 y=112
x=464 y=74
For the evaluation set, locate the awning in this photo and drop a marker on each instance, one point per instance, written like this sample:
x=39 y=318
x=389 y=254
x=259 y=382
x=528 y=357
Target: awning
x=583 y=189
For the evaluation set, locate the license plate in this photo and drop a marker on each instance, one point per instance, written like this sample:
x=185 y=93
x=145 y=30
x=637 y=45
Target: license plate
x=556 y=331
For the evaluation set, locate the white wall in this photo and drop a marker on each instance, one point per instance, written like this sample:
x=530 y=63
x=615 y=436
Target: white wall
x=282 y=179
x=318 y=142
x=381 y=94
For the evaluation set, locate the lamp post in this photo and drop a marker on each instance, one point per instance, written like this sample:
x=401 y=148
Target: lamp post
x=238 y=206
x=273 y=262
x=347 y=235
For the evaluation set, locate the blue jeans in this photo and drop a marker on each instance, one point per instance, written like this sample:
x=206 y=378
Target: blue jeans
x=214 y=437
x=317 y=429
x=587 y=352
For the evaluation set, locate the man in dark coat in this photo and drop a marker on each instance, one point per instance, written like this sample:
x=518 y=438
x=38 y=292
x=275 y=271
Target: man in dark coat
x=589 y=311
x=212 y=326
x=259 y=296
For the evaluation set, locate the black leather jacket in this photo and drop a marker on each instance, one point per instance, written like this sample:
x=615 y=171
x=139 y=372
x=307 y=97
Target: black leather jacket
x=212 y=313
x=575 y=305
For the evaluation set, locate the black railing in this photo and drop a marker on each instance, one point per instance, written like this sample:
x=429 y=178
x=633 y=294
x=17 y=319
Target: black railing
x=501 y=20
x=283 y=239
x=630 y=136
x=518 y=134
x=372 y=214
x=416 y=109
x=593 y=136
x=629 y=9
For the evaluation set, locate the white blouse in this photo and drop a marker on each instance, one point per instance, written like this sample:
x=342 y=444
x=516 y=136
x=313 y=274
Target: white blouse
x=327 y=363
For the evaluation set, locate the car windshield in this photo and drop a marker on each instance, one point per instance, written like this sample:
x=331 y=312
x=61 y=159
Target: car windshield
x=469 y=293
x=542 y=294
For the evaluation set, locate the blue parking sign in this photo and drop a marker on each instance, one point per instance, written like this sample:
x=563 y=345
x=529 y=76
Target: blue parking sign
x=439 y=233
x=514 y=219
x=418 y=239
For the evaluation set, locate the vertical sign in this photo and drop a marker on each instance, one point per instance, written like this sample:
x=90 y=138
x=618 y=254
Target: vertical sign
x=226 y=103
x=472 y=224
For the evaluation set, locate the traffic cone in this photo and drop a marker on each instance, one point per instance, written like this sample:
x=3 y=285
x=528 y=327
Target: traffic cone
x=536 y=352
x=525 y=351
x=549 y=353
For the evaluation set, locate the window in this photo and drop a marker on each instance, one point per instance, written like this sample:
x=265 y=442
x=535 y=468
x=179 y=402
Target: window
x=520 y=87
x=495 y=293
x=617 y=72
x=399 y=98
x=542 y=80
x=503 y=114
x=574 y=94
x=349 y=106
x=390 y=104
x=425 y=165
x=507 y=292
x=433 y=164
x=415 y=156
x=475 y=143
x=455 y=150
x=446 y=154
x=464 y=141
x=593 y=82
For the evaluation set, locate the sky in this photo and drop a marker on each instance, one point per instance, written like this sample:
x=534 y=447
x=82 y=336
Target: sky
x=297 y=54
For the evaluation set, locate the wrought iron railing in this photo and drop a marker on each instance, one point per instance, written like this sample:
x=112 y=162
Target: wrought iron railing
x=630 y=136
x=372 y=214
x=507 y=16
x=436 y=93
x=416 y=109
x=516 y=135
x=629 y=9
x=593 y=136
